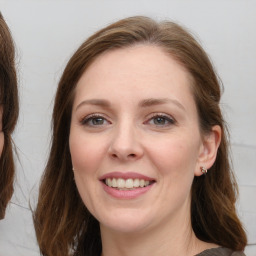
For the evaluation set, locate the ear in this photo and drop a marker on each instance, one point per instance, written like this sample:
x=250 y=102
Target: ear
x=208 y=150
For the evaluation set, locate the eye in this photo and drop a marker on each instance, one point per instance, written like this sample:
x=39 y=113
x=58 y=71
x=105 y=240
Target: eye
x=161 y=120
x=94 y=120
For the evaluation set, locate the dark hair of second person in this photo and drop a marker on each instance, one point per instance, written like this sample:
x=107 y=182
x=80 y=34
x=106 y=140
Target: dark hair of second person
x=9 y=113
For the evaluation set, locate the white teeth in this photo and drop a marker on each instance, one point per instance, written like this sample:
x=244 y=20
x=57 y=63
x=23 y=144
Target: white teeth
x=114 y=183
x=120 y=183
x=136 y=183
x=129 y=183
x=126 y=184
x=109 y=182
x=142 y=183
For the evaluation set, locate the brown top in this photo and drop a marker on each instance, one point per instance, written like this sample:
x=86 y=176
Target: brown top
x=220 y=252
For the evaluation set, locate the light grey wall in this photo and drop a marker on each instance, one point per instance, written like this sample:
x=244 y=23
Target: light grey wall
x=47 y=32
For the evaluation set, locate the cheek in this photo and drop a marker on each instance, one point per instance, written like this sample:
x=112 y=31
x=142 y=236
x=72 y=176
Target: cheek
x=175 y=156
x=86 y=154
x=87 y=151
x=175 y=161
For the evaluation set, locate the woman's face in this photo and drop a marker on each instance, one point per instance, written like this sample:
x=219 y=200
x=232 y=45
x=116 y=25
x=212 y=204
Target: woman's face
x=134 y=140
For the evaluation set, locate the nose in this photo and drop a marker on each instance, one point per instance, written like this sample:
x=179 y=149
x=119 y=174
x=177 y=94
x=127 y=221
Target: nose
x=125 y=144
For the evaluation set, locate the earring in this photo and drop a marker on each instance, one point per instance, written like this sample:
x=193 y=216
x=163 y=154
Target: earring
x=203 y=170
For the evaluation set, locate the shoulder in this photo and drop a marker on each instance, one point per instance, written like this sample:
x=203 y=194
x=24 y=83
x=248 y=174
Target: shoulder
x=220 y=252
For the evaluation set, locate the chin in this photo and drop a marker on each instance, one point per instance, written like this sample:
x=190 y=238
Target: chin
x=125 y=222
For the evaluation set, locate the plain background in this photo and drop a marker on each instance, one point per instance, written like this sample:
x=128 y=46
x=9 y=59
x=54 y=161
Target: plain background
x=47 y=32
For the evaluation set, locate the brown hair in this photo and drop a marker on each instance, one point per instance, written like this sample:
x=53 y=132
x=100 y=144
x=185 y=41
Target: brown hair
x=9 y=102
x=63 y=224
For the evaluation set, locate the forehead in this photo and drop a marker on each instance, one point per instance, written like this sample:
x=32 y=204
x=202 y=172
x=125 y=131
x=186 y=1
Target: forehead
x=144 y=69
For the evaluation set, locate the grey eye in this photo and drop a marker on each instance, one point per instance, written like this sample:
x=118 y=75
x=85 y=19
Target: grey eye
x=97 y=121
x=160 y=121
x=94 y=121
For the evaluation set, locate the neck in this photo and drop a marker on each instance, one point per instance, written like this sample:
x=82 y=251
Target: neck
x=174 y=237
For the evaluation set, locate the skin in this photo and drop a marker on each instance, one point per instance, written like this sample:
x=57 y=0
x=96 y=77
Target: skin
x=126 y=136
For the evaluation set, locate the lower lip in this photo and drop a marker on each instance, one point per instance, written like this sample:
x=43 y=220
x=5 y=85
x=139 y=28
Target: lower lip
x=126 y=194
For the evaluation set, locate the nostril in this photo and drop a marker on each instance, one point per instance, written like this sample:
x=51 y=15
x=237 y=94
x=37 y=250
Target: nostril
x=131 y=156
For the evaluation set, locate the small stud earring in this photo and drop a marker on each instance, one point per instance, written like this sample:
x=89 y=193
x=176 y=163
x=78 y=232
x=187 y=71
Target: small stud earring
x=203 y=170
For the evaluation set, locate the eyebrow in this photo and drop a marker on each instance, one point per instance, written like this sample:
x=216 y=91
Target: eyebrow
x=144 y=103
x=153 y=102
x=95 y=102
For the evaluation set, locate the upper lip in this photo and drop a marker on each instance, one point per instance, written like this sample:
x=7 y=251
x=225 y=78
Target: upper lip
x=125 y=175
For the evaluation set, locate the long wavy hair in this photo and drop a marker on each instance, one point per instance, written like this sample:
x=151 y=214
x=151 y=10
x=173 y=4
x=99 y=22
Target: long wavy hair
x=9 y=103
x=62 y=222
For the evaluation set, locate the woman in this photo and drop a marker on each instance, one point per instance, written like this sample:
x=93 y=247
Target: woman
x=136 y=125
x=8 y=113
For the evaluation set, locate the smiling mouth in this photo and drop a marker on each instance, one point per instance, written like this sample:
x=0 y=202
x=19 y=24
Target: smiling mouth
x=127 y=184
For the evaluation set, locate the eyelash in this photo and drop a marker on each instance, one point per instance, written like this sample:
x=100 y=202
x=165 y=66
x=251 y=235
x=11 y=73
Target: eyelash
x=92 y=117
x=164 y=117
